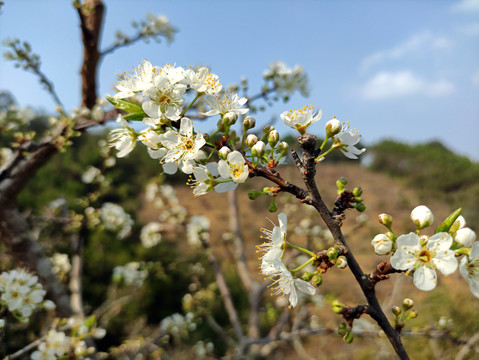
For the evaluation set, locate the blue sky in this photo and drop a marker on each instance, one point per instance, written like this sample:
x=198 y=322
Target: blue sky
x=407 y=70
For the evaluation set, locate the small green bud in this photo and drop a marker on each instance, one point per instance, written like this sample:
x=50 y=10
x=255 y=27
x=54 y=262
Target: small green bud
x=360 y=207
x=413 y=314
x=391 y=235
x=337 y=306
x=254 y=194
x=251 y=140
x=249 y=122
x=342 y=329
x=357 y=191
x=332 y=253
x=341 y=183
x=349 y=337
x=407 y=304
x=220 y=125
x=223 y=152
x=307 y=276
x=396 y=310
x=273 y=138
x=273 y=207
x=341 y=262
x=317 y=280
x=385 y=219
x=446 y=224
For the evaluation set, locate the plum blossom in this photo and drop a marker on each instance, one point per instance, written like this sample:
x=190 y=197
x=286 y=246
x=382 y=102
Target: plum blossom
x=273 y=249
x=424 y=257
x=224 y=103
x=204 y=180
x=465 y=237
x=150 y=234
x=130 y=84
x=346 y=141
x=469 y=269
x=302 y=118
x=123 y=139
x=183 y=148
x=202 y=81
x=286 y=284
x=234 y=168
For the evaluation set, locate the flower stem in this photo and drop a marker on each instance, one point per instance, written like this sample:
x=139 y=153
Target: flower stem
x=304 y=265
x=189 y=106
x=300 y=249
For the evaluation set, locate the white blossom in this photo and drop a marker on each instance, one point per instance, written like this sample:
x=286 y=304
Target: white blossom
x=302 y=118
x=202 y=81
x=273 y=248
x=132 y=274
x=424 y=259
x=132 y=83
x=114 y=218
x=346 y=141
x=198 y=228
x=150 y=234
x=225 y=102
x=204 y=178
x=234 y=168
x=469 y=269
x=183 y=148
x=122 y=139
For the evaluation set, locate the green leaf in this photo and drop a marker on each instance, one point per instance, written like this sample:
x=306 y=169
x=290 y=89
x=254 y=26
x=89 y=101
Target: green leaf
x=135 y=116
x=446 y=224
x=90 y=321
x=125 y=105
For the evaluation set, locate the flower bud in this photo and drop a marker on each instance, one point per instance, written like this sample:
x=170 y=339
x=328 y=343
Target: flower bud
x=342 y=329
x=249 y=122
x=341 y=183
x=307 y=276
x=360 y=207
x=223 y=152
x=2 y=323
x=254 y=194
x=382 y=244
x=412 y=314
x=267 y=129
x=251 y=140
x=317 y=280
x=333 y=127
x=407 y=304
x=220 y=125
x=230 y=118
x=422 y=217
x=357 y=191
x=385 y=219
x=349 y=337
x=258 y=149
x=283 y=148
x=341 y=262
x=273 y=138
x=99 y=333
x=465 y=237
x=332 y=253
x=462 y=222
x=337 y=306
x=396 y=310
x=49 y=305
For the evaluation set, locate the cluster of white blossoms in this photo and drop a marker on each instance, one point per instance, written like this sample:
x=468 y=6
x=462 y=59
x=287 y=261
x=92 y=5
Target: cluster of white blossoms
x=22 y=294
x=287 y=80
x=178 y=325
x=198 y=229
x=58 y=345
x=422 y=255
x=159 y=96
x=60 y=265
x=164 y=199
x=114 y=218
x=272 y=265
x=130 y=274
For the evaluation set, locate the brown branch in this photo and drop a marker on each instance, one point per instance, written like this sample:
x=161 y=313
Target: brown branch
x=381 y=273
x=307 y=168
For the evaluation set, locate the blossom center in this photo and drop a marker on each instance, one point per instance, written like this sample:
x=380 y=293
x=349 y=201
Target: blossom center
x=425 y=256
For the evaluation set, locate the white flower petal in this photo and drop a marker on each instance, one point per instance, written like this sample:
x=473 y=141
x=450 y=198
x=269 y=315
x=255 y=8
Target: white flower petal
x=425 y=278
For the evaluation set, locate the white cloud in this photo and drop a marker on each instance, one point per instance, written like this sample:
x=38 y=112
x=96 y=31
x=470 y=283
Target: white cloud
x=475 y=78
x=466 y=6
x=387 y=85
x=421 y=41
x=470 y=29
